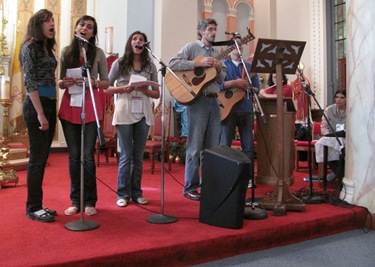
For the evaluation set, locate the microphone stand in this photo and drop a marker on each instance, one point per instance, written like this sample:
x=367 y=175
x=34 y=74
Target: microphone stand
x=161 y=218
x=83 y=225
x=251 y=213
x=311 y=198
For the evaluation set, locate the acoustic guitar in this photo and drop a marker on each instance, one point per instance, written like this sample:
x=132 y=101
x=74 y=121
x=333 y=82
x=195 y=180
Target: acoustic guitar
x=195 y=79
x=229 y=98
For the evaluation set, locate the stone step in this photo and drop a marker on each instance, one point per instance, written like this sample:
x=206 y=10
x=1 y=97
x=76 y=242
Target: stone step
x=17 y=153
x=19 y=164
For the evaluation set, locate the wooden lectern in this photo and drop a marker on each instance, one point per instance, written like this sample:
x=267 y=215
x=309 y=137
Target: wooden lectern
x=267 y=141
x=279 y=56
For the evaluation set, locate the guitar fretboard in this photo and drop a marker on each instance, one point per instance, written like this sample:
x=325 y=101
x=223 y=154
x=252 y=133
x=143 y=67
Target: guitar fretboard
x=225 y=52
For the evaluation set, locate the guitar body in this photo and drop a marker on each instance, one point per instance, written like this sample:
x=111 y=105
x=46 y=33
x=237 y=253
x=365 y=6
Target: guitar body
x=194 y=79
x=229 y=98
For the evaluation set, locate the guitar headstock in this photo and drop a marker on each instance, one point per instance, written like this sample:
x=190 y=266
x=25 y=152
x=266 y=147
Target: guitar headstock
x=244 y=40
x=248 y=37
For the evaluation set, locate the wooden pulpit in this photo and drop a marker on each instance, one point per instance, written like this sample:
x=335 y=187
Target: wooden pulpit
x=267 y=141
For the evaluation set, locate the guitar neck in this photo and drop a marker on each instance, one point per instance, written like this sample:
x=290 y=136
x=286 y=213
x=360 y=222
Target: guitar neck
x=230 y=48
x=225 y=52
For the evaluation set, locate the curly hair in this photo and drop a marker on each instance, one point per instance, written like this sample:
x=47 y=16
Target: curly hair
x=204 y=24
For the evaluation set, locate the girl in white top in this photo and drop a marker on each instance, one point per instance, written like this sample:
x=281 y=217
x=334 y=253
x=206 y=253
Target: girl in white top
x=133 y=114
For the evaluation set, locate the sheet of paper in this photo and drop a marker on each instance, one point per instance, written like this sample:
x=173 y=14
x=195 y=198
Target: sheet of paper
x=139 y=81
x=75 y=73
x=136 y=78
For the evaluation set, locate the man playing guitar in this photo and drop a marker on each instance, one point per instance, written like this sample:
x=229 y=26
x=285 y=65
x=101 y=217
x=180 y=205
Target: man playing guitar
x=203 y=114
x=242 y=115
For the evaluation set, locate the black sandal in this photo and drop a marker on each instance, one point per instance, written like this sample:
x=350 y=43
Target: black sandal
x=40 y=216
x=50 y=212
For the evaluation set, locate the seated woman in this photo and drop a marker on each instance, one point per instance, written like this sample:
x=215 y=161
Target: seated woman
x=271 y=91
x=336 y=116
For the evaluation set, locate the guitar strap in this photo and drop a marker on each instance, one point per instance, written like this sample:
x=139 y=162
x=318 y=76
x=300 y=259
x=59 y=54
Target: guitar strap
x=223 y=43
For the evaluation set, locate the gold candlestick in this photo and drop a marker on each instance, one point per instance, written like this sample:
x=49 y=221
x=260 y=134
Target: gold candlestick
x=4 y=46
x=6 y=104
x=4 y=51
x=7 y=174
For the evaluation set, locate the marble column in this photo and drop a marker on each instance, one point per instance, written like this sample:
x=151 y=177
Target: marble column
x=359 y=180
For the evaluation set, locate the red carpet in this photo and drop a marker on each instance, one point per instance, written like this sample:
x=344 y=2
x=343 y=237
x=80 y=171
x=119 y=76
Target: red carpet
x=126 y=238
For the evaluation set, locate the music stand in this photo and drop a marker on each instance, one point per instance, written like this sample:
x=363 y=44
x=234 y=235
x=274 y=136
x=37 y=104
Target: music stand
x=280 y=56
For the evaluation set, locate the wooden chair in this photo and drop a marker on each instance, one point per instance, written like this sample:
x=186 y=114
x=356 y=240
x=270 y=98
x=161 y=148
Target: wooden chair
x=154 y=142
x=304 y=145
x=110 y=137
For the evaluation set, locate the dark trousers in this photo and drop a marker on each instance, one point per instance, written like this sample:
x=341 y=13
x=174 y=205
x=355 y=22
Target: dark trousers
x=73 y=138
x=40 y=144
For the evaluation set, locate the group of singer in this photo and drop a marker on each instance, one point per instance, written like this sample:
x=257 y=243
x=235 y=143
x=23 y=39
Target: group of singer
x=132 y=117
x=133 y=113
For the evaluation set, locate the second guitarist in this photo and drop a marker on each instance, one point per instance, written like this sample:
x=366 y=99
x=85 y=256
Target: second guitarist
x=242 y=115
x=203 y=115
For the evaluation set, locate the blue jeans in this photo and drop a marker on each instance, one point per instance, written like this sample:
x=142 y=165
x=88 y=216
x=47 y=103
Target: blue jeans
x=245 y=123
x=73 y=136
x=182 y=110
x=40 y=144
x=203 y=119
x=132 y=140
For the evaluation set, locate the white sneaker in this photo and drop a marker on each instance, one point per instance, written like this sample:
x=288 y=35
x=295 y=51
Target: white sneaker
x=122 y=202
x=141 y=200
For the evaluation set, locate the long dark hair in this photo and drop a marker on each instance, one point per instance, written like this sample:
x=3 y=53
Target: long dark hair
x=271 y=83
x=72 y=52
x=126 y=61
x=35 y=35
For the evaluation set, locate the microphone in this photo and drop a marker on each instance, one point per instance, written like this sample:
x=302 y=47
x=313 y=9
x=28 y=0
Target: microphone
x=232 y=33
x=305 y=84
x=81 y=39
x=142 y=46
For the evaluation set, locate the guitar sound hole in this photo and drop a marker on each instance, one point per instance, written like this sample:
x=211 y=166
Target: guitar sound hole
x=198 y=71
x=228 y=94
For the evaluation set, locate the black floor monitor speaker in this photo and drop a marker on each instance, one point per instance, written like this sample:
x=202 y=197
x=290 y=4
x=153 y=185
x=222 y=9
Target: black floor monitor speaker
x=225 y=176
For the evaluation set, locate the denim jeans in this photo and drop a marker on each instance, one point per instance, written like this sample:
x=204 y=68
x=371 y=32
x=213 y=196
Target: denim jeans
x=132 y=140
x=244 y=121
x=203 y=118
x=73 y=136
x=40 y=144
